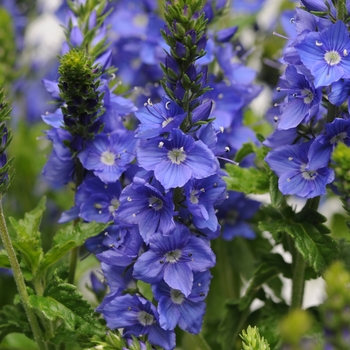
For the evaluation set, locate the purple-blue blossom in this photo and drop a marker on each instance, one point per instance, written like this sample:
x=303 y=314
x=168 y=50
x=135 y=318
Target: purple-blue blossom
x=326 y=54
x=177 y=159
x=176 y=309
x=137 y=316
x=149 y=208
x=290 y=163
x=174 y=258
x=108 y=156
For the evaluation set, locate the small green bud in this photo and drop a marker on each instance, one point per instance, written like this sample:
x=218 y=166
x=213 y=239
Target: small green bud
x=251 y=340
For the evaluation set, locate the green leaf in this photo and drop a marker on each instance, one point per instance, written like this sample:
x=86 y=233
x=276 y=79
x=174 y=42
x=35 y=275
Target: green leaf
x=275 y=194
x=272 y=265
x=230 y=326
x=246 y=149
x=29 y=226
x=69 y=238
x=317 y=249
x=4 y=260
x=247 y=180
x=27 y=241
x=13 y=320
x=61 y=301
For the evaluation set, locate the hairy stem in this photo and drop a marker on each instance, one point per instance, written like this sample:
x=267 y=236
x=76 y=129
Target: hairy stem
x=21 y=286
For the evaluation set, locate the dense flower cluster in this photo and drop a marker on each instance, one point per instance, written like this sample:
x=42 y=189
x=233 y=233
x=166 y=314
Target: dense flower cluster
x=313 y=116
x=162 y=209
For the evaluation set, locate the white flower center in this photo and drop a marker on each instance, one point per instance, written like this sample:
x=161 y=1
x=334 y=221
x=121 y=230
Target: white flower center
x=107 y=158
x=339 y=138
x=308 y=174
x=145 y=319
x=176 y=296
x=308 y=96
x=177 y=155
x=114 y=205
x=332 y=57
x=193 y=197
x=173 y=256
x=155 y=203
x=166 y=122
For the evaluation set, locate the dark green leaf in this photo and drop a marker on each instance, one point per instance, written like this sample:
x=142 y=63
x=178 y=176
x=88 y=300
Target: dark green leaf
x=318 y=250
x=230 y=326
x=13 y=320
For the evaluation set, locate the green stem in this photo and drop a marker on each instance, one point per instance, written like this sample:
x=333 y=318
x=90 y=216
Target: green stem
x=298 y=281
x=21 y=286
x=73 y=264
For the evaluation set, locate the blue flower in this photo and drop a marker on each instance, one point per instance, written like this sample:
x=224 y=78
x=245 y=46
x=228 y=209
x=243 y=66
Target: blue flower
x=98 y=201
x=177 y=159
x=124 y=252
x=145 y=205
x=302 y=102
x=118 y=278
x=108 y=156
x=326 y=54
x=322 y=147
x=136 y=316
x=158 y=118
x=290 y=163
x=60 y=166
x=201 y=195
x=233 y=214
x=174 y=258
x=175 y=308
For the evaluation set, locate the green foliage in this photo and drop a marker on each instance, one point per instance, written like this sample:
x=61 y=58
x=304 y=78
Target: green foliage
x=5 y=139
x=8 y=49
x=83 y=12
x=341 y=158
x=180 y=20
x=296 y=327
x=335 y=310
x=252 y=340
x=13 y=320
x=308 y=232
x=68 y=238
x=61 y=301
x=27 y=241
x=4 y=260
x=247 y=180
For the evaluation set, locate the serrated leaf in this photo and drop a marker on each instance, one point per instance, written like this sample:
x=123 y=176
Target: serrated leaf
x=318 y=250
x=68 y=238
x=13 y=320
x=61 y=301
x=275 y=194
x=247 y=180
